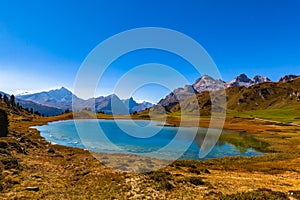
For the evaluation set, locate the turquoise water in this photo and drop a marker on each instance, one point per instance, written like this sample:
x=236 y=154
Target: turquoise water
x=139 y=137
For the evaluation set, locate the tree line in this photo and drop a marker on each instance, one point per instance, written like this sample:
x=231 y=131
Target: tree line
x=11 y=103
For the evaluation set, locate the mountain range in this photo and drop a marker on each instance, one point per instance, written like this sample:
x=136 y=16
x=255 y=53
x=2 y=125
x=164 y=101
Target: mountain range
x=43 y=109
x=266 y=95
x=62 y=99
x=56 y=101
x=261 y=96
x=207 y=83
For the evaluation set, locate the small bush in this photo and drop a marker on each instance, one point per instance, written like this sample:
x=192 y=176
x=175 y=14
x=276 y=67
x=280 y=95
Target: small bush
x=187 y=163
x=196 y=181
x=195 y=171
x=162 y=178
x=9 y=162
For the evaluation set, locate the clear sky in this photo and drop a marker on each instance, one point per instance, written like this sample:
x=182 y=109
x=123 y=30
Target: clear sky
x=43 y=43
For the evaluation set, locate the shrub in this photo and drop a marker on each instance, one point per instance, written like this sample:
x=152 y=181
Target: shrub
x=196 y=181
x=162 y=178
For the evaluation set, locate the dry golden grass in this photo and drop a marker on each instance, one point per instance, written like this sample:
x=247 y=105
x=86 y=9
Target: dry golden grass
x=72 y=173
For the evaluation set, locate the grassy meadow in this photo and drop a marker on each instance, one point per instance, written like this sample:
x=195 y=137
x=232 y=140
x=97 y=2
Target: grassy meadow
x=70 y=173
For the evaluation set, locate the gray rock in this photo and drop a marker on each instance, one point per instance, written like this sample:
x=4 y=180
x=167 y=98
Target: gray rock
x=50 y=150
x=36 y=189
x=21 y=139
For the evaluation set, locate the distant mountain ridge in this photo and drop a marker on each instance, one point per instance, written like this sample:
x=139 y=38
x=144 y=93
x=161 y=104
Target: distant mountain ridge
x=63 y=99
x=56 y=101
x=58 y=98
x=207 y=83
x=43 y=109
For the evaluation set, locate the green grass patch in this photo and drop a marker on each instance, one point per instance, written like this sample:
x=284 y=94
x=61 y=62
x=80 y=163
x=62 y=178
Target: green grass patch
x=286 y=114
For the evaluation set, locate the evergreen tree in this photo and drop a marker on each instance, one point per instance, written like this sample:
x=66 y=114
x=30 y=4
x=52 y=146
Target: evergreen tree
x=19 y=106
x=0 y=96
x=5 y=98
x=67 y=111
x=31 y=110
x=3 y=123
x=37 y=113
x=12 y=101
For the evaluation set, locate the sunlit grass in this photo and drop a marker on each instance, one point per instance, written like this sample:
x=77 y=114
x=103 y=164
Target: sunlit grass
x=286 y=114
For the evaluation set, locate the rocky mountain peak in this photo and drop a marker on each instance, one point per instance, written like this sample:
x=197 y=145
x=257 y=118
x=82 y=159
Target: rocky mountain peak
x=207 y=83
x=287 y=78
x=260 y=79
x=130 y=102
x=241 y=80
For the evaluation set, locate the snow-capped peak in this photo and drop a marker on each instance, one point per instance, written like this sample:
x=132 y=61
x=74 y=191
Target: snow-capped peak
x=207 y=83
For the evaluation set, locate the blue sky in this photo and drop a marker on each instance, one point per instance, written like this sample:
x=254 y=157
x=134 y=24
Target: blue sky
x=43 y=43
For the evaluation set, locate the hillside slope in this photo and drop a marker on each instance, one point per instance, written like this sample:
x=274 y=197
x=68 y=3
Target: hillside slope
x=261 y=96
x=264 y=96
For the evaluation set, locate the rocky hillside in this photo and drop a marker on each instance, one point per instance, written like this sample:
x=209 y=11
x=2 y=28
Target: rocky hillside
x=42 y=109
x=179 y=94
x=17 y=110
x=207 y=83
x=266 y=95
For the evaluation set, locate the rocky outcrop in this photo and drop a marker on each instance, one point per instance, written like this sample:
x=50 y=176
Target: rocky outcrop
x=287 y=78
x=260 y=79
x=179 y=94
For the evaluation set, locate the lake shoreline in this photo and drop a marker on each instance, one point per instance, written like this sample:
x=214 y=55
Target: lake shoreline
x=63 y=133
x=69 y=169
